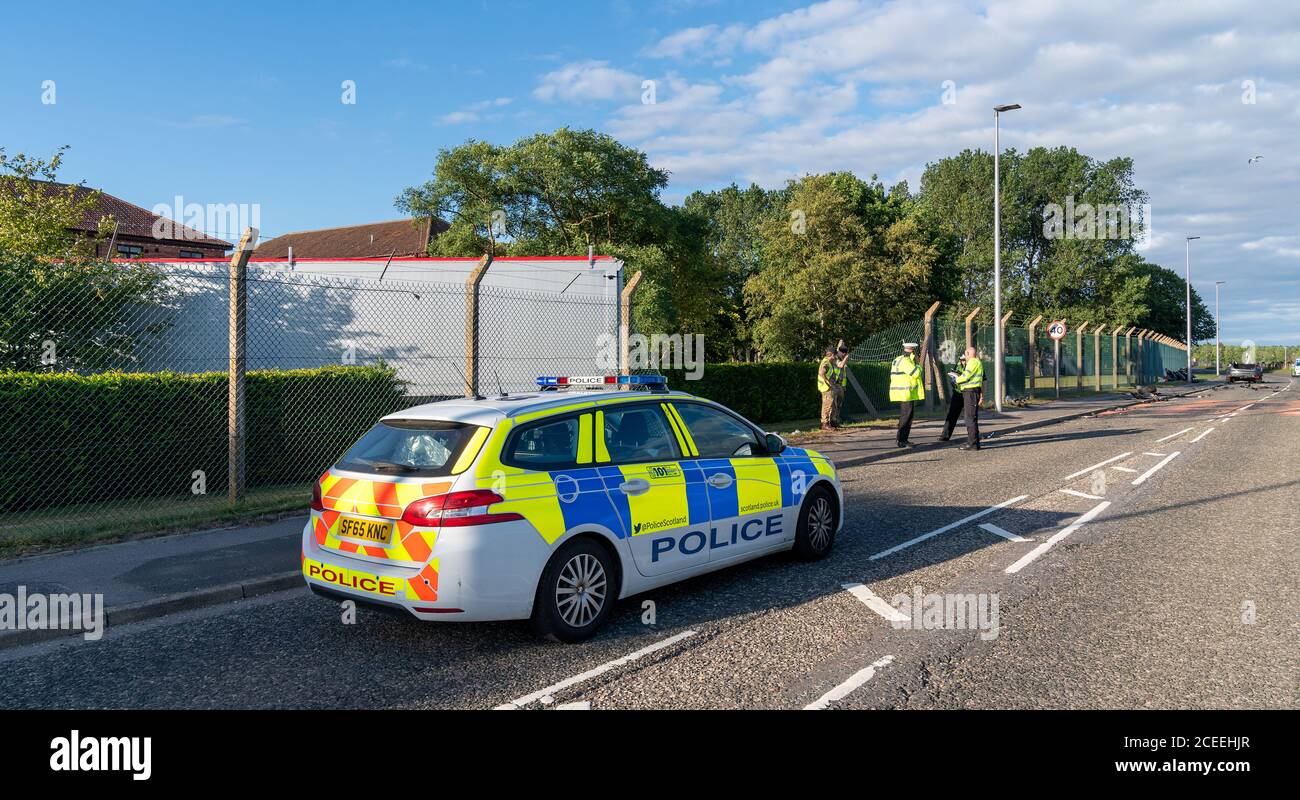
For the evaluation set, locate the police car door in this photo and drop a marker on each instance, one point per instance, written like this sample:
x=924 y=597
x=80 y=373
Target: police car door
x=746 y=507
x=661 y=501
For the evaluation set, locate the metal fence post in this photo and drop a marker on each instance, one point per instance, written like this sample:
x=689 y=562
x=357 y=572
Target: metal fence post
x=1114 y=357
x=1001 y=334
x=625 y=322
x=471 y=324
x=969 y=340
x=236 y=369
x=1032 y=356
x=933 y=383
x=1128 y=355
x=1096 y=353
x=1078 y=355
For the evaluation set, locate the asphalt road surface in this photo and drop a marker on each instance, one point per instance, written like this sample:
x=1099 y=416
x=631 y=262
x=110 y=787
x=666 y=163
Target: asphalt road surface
x=1146 y=558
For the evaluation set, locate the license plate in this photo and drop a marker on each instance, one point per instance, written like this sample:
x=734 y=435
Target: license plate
x=370 y=530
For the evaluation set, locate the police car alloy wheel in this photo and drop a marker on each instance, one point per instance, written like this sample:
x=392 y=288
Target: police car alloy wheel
x=576 y=592
x=817 y=522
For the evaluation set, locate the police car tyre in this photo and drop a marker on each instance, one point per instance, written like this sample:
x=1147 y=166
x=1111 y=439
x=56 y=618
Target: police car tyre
x=818 y=520
x=576 y=592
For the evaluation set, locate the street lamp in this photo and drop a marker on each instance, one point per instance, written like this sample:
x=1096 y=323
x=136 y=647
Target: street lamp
x=997 y=257
x=1188 y=268
x=1217 y=284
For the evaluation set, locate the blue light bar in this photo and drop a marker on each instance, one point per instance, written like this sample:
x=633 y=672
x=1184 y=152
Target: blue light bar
x=600 y=381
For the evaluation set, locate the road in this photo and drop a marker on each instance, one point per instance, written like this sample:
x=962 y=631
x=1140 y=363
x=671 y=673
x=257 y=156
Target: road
x=1144 y=558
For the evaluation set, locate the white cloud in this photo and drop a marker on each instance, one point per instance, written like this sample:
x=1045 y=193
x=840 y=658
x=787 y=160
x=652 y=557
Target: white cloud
x=587 y=80
x=854 y=85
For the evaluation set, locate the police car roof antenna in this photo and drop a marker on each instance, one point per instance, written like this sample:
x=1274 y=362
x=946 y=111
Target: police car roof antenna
x=500 y=392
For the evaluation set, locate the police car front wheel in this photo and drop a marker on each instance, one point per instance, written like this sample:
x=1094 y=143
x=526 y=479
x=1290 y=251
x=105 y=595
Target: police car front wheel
x=576 y=592
x=818 y=520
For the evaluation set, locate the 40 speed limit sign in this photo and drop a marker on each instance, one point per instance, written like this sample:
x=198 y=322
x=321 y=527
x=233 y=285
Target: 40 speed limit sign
x=1056 y=330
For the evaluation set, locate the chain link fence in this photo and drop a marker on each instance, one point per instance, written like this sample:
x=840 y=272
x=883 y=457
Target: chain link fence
x=114 y=399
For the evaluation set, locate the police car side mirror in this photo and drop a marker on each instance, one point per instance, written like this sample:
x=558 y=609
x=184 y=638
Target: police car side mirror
x=775 y=443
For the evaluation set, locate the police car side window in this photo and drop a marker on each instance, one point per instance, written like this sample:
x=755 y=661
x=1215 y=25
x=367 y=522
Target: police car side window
x=717 y=434
x=640 y=433
x=547 y=445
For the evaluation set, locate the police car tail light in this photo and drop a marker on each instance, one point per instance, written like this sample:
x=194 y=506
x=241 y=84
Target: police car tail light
x=457 y=509
x=316 y=502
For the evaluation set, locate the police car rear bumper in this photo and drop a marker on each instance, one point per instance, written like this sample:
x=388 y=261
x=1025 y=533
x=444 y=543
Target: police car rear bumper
x=483 y=573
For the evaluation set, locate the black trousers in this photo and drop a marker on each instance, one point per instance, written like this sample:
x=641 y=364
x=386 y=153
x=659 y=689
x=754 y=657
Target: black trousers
x=971 y=413
x=904 y=420
x=955 y=404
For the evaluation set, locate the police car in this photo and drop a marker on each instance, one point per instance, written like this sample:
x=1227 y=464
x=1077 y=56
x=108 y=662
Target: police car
x=550 y=506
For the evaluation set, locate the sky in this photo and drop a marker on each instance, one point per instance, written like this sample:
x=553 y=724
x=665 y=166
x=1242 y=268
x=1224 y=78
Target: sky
x=244 y=103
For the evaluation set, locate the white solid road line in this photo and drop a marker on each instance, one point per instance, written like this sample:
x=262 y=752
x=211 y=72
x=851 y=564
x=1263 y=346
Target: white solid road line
x=875 y=603
x=592 y=673
x=1172 y=435
x=845 y=689
x=948 y=527
x=1005 y=534
x=1207 y=432
x=1096 y=466
x=1139 y=480
x=1084 y=495
x=1064 y=532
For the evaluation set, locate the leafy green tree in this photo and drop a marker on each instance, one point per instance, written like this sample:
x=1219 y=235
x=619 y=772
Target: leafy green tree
x=560 y=193
x=845 y=259
x=37 y=215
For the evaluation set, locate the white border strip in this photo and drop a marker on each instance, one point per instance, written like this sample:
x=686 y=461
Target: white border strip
x=592 y=673
x=845 y=689
x=1056 y=537
x=1141 y=479
x=1097 y=466
x=876 y=603
x=948 y=527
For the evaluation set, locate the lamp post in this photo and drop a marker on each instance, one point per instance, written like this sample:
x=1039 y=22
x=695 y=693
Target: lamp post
x=1188 y=267
x=997 y=256
x=1217 y=338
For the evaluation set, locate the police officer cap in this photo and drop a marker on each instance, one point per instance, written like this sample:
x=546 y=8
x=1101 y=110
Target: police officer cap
x=909 y=345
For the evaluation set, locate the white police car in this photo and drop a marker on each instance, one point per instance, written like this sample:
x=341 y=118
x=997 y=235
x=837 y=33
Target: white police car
x=551 y=505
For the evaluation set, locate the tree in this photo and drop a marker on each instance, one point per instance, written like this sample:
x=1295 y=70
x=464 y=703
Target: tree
x=732 y=220
x=36 y=214
x=843 y=260
x=562 y=192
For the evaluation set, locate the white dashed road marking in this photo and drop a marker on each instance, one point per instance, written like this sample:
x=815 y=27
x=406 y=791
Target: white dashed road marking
x=1174 y=435
x=592 y=673
x=1005 y=534
x=1084 y=495
x=845 y=689
x=1027 y=558
x=1097 y=466
x=1203 y=435
x=1126 y=469
x=948 y=527
x=875 y=603
x=1141 y=479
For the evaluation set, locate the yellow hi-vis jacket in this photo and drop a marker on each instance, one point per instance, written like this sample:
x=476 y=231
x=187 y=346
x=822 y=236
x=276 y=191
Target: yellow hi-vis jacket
x=905 y=382
x=828 y=370
x=972 y=377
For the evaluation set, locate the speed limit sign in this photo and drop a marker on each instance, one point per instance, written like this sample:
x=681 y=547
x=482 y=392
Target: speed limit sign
x=1056 y=330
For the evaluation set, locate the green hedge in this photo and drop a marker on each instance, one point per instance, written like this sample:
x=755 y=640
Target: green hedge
x=780 y=392
x=67 y=439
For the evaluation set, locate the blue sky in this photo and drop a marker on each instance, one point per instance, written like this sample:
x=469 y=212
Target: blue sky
x=242 y=105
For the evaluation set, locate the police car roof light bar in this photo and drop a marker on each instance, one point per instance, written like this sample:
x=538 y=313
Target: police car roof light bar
x=652 y=382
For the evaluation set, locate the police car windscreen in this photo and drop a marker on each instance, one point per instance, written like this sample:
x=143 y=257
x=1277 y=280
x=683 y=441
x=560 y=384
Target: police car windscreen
x=407 y=448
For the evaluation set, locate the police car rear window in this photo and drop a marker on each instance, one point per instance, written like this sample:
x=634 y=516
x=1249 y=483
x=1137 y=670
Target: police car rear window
x=415 y=447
